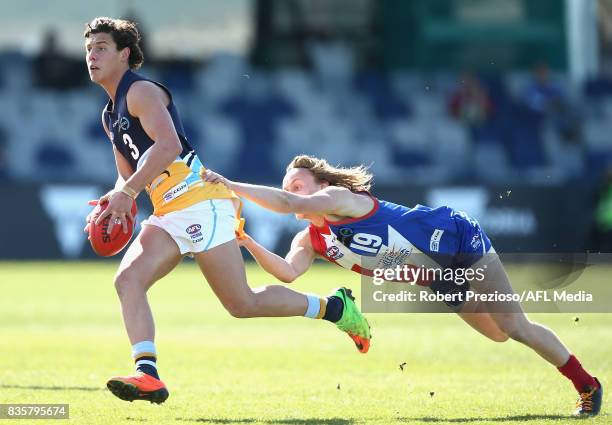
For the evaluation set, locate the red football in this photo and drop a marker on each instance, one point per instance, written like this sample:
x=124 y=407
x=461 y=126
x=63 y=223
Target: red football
x=104 y=244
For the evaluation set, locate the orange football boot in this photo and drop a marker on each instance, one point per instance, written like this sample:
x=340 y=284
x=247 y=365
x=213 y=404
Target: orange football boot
x=362 y=344
x=138 y=387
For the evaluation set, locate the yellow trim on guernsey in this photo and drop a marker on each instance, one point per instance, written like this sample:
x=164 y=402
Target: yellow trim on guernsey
x=171 y=192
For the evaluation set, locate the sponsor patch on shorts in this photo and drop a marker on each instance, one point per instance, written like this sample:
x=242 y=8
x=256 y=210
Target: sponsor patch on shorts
x=476 y=241
x=195 y=233
x=194 y=228
x=434 y=242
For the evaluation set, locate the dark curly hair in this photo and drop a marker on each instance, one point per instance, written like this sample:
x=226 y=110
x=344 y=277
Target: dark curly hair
x=124 y=33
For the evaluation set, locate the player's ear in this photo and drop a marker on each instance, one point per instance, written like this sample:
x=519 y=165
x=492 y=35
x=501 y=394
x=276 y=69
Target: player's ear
x=125 y=54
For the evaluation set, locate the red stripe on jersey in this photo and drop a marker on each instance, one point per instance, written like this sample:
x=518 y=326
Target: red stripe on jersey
x=317 y=241
x=365 y=272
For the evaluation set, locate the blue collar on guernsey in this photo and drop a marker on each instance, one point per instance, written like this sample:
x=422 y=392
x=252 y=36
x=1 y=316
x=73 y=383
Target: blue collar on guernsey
x=126 y=79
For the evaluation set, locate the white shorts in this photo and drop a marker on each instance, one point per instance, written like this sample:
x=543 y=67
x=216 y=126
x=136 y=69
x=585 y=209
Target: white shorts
x=199 y=227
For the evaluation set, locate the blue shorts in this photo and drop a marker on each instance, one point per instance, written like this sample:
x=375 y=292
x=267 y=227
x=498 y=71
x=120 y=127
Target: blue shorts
x=473 y=244
x=473 y=241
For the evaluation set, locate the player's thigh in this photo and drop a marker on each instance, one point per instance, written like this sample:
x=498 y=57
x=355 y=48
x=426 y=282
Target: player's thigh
x=151 y=256
x=223 y=268
x=507 y=313
x=479 y=319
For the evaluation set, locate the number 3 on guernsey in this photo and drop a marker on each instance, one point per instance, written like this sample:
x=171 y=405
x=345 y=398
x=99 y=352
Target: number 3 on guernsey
x=134 y=149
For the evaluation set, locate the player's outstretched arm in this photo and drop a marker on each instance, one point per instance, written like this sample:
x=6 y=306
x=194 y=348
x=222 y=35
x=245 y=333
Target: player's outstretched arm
x=332 y=200
x=295 y=263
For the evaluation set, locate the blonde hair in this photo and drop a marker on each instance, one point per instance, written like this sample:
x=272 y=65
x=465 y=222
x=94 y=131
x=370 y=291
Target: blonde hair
x=356 y=179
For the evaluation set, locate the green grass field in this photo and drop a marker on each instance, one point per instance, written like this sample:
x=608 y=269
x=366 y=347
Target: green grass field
x=61 y=336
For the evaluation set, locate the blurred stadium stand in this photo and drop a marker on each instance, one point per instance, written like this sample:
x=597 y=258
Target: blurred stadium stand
x=327 y=78
x=237 y=114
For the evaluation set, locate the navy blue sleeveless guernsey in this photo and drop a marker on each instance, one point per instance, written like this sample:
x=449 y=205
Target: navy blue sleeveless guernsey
x=180 y=185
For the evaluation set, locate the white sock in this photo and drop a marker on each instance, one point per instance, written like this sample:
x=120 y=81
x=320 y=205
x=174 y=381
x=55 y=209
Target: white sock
x=144 y=354
x=314 y=306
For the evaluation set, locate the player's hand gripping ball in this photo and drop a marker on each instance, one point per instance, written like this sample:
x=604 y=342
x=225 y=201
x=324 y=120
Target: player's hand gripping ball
x=103 y=243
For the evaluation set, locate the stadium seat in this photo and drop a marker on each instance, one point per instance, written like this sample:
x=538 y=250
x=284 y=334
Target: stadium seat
x=451 y=147
x=598 y=133
x=232 y=112
x=17 y=70
x=295 y=136
x=428 y=105
x=54 y=162
x=410 y=143
x=220 y=144
x=385 y=104
x=567 y=159
x=598 y=87
x=333 y=63
x=526 y=145
x=178 y=77
x=296 y=85
x=405 y=84
x=221 y=78
x=491 y=163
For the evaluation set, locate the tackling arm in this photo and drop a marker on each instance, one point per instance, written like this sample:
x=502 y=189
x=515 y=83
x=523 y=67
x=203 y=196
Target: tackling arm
x=297 y=261
x=332 y=200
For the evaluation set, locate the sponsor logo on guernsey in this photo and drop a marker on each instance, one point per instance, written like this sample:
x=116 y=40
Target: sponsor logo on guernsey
x=123 y=123
x=176 y=191
x=476 y=241
x=346 y=235
x=434 y=242
x=391 y=258
x=334 y=253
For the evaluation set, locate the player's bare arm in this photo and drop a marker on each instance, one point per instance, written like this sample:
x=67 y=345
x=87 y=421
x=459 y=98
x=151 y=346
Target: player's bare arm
x=332 y=200
x=297 y=261
x=147 y=102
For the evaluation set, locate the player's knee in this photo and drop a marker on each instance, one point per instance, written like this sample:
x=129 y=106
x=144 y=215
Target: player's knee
x=240 y=311
x=241 y=308
x=516 y=328
x=287 y=278
x=519 y=335
x=125 y=281
x=499 y=337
